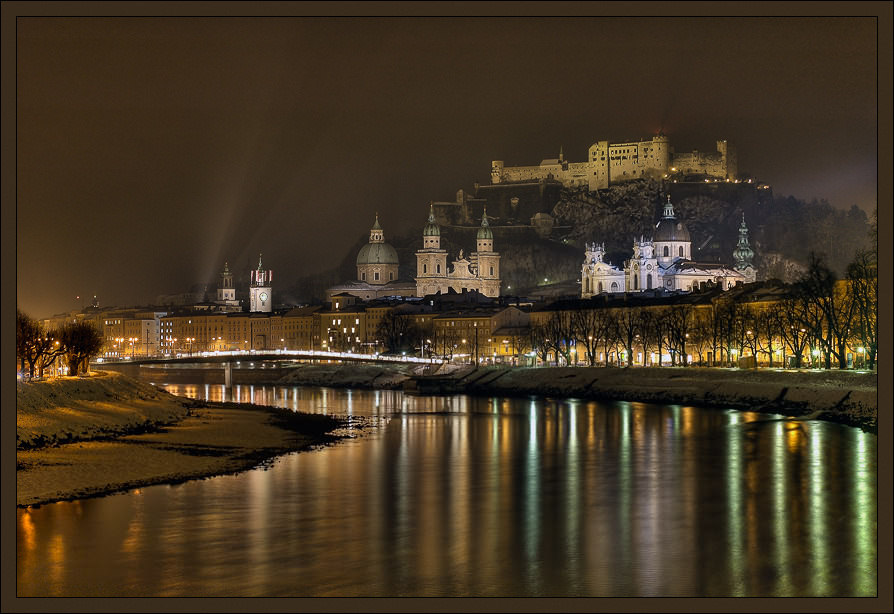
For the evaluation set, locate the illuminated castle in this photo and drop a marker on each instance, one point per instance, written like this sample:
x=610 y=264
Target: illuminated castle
x=609 y=163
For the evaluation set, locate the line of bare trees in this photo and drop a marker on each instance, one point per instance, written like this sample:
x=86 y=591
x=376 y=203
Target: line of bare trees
x=819 y=321
x=75 y=343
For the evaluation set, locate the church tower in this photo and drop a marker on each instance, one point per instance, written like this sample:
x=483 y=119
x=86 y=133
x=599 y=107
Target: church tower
x=260 y=291
x=431 y=260
x=225 y=289
x=487 y=260
x=743 y=254
x=642 y=270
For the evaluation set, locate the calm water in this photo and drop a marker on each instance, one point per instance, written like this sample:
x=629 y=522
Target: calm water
x=449 y=496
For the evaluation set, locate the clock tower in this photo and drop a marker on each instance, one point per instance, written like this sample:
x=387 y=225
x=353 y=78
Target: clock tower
x=260 y=292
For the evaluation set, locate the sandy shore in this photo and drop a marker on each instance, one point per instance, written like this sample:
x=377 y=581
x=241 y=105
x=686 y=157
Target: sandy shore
x=72 y=443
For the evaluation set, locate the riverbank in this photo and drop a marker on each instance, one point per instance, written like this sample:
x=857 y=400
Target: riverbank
x=846 y=397
x=82 y=437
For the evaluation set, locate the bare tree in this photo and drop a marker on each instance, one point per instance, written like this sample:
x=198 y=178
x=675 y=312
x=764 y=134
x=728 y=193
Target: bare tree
x=678 y=322
x=827 y=310
x=629 y=324
x=589 y=327
x=700 y=332
x=540 y=342
x=35 y=346
x=560 y=335
x=862 y=276
x=767 y=329
x=82 y=341
x=396 y=332
x=794 y=334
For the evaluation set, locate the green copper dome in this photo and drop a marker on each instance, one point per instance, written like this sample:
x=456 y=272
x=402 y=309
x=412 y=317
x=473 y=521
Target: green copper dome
x=431 y=228
x=377 y=253
x=485 y=232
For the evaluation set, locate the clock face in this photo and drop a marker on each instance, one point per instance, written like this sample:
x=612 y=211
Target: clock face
x=263 y=297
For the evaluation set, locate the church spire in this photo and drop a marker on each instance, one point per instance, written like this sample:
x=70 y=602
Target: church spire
x=743 y=252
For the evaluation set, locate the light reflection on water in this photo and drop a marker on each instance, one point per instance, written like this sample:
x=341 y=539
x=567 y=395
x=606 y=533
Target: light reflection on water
x=473 y=496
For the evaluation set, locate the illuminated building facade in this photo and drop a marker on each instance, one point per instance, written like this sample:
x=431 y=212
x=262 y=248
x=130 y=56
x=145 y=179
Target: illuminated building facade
x=664 y=261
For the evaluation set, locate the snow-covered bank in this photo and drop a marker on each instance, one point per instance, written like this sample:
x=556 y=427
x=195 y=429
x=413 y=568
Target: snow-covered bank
x=74 y=445
x=77 y=409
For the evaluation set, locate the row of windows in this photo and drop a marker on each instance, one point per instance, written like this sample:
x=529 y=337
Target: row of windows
x=376 y=276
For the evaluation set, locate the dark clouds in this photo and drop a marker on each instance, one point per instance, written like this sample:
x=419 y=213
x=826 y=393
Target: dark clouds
x=150 y=150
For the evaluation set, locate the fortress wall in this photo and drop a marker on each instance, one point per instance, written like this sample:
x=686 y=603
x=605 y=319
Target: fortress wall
x=699 y=163
x=528 y=173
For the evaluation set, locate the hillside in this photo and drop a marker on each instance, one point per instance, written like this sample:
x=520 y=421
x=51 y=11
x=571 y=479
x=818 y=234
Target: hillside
x=782 y=231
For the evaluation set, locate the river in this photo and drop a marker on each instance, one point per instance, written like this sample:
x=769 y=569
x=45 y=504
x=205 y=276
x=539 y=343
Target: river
x=465 y=496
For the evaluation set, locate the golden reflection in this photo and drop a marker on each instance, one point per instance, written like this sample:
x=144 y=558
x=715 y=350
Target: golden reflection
x=591 y=429
x=26 y=527
x=56 y=555
x=133 y=538
x=688 y=418
x=794 y=435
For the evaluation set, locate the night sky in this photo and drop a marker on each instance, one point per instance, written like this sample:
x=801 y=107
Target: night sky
x=151 y=150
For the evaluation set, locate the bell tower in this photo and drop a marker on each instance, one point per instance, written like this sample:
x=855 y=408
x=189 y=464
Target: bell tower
x=487 y=260
x=260 y=290
x=431 y=260
x=225 y=289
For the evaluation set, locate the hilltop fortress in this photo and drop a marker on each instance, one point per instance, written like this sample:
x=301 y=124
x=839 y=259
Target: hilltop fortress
x=609 y=163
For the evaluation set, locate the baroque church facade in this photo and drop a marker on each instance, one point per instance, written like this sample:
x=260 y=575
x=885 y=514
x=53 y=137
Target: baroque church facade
x=480 y=271
x=664 y=261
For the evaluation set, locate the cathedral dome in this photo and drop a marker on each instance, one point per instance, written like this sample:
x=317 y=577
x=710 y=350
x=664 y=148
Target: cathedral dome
x=377 y=253
x=668 y=228
x=671 y=230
